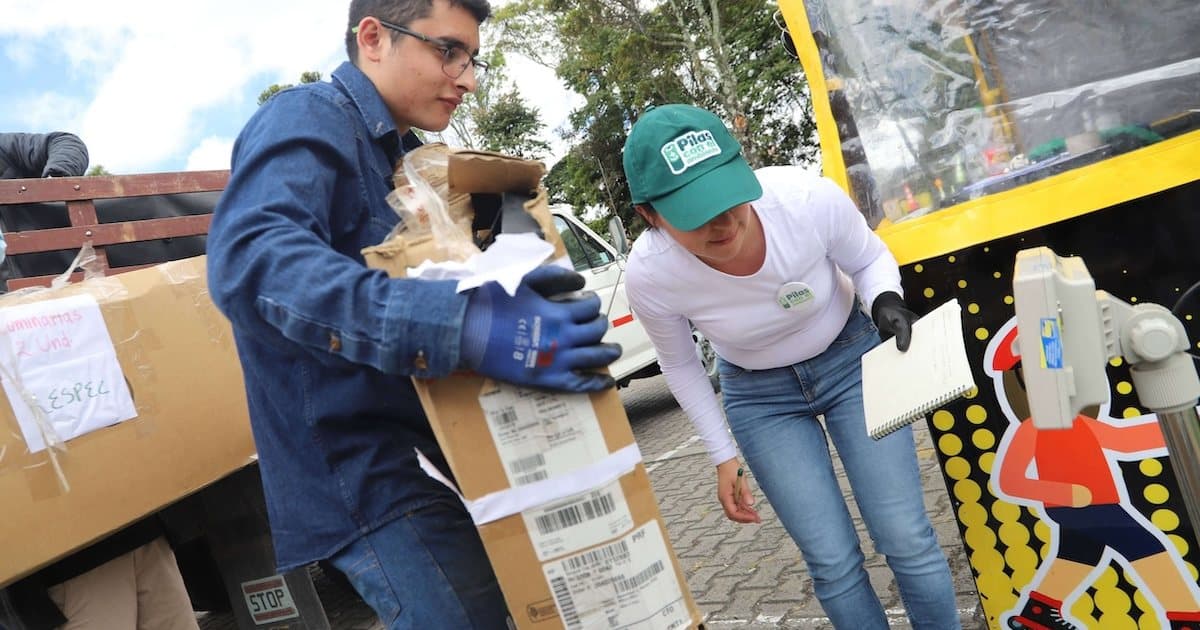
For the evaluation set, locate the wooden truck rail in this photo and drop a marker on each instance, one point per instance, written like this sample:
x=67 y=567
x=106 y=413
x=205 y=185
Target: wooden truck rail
x=80 y=195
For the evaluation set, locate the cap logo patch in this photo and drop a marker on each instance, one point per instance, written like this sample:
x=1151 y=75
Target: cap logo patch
x=689 y=150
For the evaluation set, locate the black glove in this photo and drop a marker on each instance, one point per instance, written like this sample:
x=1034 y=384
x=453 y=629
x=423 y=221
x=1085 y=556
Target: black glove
x=892 y=317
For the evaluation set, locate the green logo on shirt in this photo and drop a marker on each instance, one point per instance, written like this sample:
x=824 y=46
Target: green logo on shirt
x=795 y=298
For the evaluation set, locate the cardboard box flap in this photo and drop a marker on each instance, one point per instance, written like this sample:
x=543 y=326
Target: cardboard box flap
x=470 y=172
x=487 y=172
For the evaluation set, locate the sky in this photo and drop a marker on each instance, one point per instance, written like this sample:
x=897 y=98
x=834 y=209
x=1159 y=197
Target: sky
x=160 y=85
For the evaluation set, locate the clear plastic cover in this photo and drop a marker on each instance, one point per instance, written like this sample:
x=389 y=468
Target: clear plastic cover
x=87 y=262
x=426 y=208
x=943 y=101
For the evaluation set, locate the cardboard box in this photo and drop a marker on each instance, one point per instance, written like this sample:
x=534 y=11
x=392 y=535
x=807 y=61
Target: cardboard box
x=554 y=481
x=176 y=353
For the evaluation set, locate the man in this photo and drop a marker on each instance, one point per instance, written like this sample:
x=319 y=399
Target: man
x=127 y=580
x=24 y=155
x=328 y=346
x=61 y=154
x=55 y=154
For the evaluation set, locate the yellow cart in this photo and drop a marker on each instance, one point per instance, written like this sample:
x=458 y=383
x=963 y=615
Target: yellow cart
x=967 y=130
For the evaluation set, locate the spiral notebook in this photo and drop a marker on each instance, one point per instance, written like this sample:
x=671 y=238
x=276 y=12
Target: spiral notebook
x=900 y=388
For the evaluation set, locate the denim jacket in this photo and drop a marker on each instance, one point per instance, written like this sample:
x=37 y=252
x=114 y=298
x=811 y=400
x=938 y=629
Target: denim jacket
x=326 y=344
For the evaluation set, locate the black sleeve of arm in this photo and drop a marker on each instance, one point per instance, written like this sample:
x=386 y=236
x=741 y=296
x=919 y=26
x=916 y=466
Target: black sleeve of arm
x=66 y=155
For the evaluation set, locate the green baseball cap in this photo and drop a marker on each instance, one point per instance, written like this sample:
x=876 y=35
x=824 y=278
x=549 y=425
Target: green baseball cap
x=683 y=161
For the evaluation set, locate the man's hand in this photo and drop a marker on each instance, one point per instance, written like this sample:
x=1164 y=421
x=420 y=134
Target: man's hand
x=538 y=338
x=733 y=491
x=893 y=318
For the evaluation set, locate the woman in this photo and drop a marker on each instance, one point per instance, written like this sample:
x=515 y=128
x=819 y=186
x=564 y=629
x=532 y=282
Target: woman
x=767 y=265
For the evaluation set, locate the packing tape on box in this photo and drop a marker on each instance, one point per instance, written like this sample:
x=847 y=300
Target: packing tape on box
x=502 y=503
x=54 y=443
x=133 y=352
x=181 y=276
x=45 y=476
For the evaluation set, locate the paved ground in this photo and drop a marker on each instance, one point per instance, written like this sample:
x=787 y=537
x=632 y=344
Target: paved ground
x=742 y=576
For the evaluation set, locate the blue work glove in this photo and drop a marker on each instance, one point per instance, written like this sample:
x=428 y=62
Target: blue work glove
x=892 y=317
x=539 y=338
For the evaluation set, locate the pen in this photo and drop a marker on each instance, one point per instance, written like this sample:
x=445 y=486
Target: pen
x=737 y=487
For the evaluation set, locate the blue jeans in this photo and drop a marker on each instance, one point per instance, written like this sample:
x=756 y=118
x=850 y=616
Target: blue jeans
x=426 y=569
x=773 y=416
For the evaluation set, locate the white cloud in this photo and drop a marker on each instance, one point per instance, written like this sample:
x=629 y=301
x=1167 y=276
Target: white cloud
x=211 y=154
x=149 y=83
x=47 y=111
x=540 y=88
x=159 y=69
x=20 y=54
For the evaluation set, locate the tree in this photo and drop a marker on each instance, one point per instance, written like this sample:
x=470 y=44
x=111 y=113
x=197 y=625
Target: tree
x=495 y=117
x=275 y=88
x=510 y=126
x=98 y=171
x=624 y=56
x=463 y=123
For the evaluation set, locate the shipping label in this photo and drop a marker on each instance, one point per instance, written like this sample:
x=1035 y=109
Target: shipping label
x=60 y=370
x=578 y=521
x=629 y=583
x=542 y=434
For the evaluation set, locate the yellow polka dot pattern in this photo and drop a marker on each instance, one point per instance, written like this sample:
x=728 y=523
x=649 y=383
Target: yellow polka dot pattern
x=1008 y=543
x=1150 y=467
x=983 y=439
x=1145 y=622
x=1165 y=520
x=1156 y=493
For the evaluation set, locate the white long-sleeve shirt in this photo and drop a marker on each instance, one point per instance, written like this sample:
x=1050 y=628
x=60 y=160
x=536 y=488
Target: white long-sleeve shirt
x=815 y=236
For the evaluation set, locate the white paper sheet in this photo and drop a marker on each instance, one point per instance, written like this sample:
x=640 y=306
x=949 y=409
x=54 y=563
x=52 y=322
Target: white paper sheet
x=506 y=261
x=63 y=360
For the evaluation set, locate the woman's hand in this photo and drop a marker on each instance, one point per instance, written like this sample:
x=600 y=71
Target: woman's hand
x=733 y=491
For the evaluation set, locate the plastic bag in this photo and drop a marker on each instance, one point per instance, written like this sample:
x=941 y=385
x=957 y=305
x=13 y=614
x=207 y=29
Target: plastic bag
x=426 y=208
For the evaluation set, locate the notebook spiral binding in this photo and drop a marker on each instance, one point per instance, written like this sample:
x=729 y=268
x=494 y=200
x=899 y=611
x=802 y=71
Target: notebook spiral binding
x=895 y=424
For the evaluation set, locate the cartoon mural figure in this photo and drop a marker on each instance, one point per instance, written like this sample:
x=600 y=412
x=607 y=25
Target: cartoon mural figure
x=1069 y=477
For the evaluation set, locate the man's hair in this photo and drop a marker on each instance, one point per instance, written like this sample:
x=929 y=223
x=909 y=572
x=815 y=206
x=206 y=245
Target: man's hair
x=403 y=13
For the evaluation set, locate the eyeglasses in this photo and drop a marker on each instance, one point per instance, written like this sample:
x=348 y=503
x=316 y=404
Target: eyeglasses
x=455 y=57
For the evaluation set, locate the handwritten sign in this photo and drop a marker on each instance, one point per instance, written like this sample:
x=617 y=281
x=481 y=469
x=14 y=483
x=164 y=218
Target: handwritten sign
x=57 y=355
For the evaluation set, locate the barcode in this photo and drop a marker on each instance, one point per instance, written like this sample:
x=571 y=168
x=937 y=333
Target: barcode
x=526 y=464
x=505 y=417
x=575 y=514
x=632 y=584
x=613 y=553
x=537 y=475
x=566 y=604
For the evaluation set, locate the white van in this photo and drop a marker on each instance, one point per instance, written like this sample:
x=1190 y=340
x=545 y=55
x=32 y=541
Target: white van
x=602 y=264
